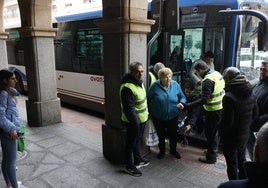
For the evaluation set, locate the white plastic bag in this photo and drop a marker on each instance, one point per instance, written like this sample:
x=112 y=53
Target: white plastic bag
x=150 y=137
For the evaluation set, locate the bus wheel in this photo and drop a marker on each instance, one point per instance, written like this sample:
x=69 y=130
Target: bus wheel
x=19 y=85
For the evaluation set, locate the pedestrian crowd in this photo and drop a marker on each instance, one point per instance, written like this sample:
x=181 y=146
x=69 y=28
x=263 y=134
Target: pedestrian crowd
x=227 y=108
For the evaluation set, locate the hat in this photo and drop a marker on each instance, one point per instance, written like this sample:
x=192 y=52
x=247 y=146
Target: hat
x=232 y=76
x=230 y=73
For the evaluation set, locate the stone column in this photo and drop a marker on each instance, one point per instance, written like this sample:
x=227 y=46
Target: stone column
x=3 y=37
x=3 y=50
x=124 y=27
x=43 y=106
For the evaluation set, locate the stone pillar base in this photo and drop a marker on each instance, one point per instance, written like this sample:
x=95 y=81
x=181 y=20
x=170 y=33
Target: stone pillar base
x=114 y=142
x=43 y=113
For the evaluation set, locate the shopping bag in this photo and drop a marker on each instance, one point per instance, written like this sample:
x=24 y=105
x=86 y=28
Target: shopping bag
x=150 y=136
x=21 y=139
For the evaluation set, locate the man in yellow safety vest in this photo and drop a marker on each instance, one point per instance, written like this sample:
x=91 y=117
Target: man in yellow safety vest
x=212 y=92
x=134 y=116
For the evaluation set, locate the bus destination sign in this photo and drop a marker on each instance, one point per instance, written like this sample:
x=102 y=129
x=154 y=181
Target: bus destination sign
x=193 y=20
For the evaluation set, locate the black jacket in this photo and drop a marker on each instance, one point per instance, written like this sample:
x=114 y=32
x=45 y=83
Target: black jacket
x=239 y=109
x=194 y=113
x=257 y=177
x=128 y=100
x=261 y=92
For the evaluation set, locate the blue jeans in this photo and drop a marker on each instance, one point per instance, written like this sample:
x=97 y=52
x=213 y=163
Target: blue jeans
x=9 y=150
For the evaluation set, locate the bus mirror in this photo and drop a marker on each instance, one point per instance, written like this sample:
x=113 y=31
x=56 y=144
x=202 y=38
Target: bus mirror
x=155 y=15
x=262 y=28
x=263 y=36
x=166 y=15
x=171 y=15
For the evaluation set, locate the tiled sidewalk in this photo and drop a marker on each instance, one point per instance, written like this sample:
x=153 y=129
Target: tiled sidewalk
x=65 y=155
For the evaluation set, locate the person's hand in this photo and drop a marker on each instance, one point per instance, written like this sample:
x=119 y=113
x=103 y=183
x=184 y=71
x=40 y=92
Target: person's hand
x=180 y=106
x=187 y=128
x=187 y=106
x=14 y=135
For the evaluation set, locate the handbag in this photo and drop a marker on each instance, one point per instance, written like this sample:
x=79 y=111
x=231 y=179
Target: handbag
x=21 y=139
x=150 y=137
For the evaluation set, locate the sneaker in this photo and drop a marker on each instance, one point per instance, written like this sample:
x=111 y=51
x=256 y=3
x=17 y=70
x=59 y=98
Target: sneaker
x=142 y=163
x=205 y=160
x=133 y=171
x=20 y=185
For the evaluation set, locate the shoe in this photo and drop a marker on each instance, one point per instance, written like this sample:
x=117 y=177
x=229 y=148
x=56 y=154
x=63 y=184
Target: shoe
x=205 y=160
x=176 y=154
x=142 y=163
x=205 y=153
x=133 y=171
x=20 y=185
x=160 y=155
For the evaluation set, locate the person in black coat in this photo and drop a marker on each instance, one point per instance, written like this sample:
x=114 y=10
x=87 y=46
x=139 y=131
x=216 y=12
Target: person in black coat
x=239 y=109
x=261 y=92
x=257 y=176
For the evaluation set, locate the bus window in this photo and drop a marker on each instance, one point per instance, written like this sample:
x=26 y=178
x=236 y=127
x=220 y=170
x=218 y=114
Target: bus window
x=175 y=55
x=193 y=43
x=199 y=40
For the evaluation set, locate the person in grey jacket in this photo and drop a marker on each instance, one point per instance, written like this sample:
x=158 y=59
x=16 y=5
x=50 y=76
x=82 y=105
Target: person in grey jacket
x=10 y=126
x=208 y=58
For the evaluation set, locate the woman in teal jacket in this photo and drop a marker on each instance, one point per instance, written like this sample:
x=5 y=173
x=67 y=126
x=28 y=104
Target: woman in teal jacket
x=165 y=100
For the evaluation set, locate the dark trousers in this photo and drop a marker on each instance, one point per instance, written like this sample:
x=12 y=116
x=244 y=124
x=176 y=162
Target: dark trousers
x=213 y=119
x=235 y=158
x=133 y=142
x=250 y=145
x=167 y=128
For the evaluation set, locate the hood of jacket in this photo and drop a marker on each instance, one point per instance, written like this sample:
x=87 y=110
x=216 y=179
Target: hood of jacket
x=239 y=86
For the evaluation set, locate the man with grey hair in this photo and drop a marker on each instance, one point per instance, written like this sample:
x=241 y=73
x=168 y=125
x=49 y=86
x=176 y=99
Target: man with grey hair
x=154 y=71
x=134 y=114
x=256 y=171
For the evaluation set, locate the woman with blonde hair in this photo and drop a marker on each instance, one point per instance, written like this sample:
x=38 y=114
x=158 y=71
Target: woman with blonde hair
x=165 y=98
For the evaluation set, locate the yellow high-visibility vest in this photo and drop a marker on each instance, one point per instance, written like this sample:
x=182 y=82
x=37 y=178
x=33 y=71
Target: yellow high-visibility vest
x=140 y=102
x=153 y=78
x=215 y=102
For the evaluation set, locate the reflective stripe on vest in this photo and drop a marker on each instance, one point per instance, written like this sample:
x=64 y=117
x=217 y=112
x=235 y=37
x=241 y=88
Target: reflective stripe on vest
x=140 y=102
x=153 y=78
x=215 y=102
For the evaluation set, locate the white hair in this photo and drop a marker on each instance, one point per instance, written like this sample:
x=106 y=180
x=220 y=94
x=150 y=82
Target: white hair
x=262 y=143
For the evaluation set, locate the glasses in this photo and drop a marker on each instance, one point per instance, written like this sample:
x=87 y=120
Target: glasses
x=263 y=69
